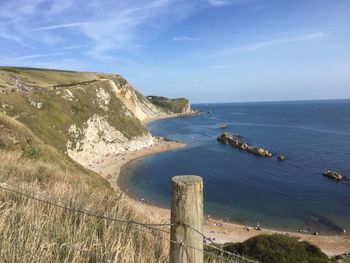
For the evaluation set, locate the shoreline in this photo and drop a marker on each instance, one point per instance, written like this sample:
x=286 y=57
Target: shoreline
x=110 y=167
x=168 y=116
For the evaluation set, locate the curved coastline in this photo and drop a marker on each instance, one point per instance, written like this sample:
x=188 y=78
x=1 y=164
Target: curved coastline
x=112 y=167
x=122 y=174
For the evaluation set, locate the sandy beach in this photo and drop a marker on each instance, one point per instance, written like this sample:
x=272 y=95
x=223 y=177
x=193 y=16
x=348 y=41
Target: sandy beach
x=168 y=116
x=219 y=231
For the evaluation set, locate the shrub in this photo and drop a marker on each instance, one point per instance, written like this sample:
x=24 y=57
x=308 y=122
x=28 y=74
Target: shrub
x=279 y=249
x=32 y=153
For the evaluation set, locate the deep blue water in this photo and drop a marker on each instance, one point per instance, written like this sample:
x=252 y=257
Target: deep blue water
x=314 y=136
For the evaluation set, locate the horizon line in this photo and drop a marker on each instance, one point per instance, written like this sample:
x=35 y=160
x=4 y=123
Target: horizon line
x=273 y=101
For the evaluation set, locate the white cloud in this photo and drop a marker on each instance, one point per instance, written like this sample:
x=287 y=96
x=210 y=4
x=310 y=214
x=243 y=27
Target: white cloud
x=220 y=66
x=105 y=25
x=38 y=56
x=185 y=38
x=121 y=29
x=268 y=43
x=51 y=39
x=74 y=47
x=297 y=38
x=67 y=25
x=219 y=2
x=227 y=66
x=11 y=37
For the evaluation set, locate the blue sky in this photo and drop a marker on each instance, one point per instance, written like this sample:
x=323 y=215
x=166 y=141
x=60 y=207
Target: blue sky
x=206 y=50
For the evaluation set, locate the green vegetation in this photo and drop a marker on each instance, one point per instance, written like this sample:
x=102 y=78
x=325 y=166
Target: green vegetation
x=32 y=153
x=37 y=108
x=61 y=107
x=278 y=249
x=17 y=138
x=34 y=124
x=39 y=232
x=345 y=259
x=44 y=78
x=32 y=157
x=169 y=105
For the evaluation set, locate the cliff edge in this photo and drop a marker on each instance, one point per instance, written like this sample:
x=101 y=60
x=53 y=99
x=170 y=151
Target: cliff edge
x=179 y=105
x=86 y=115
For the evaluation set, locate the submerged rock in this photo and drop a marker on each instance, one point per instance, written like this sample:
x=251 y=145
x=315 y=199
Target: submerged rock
x=281 y=158
x=333 y=175
x=227 y=138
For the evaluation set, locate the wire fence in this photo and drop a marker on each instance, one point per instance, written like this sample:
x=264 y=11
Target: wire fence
x=156 y=230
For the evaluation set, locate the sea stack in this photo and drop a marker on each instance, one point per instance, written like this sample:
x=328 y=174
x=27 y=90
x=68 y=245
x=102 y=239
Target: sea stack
x=333 y=175
x=227 y=138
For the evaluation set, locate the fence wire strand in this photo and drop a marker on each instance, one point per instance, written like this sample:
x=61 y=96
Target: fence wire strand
x=213 y=245
x=85 y=211
x=147 y=228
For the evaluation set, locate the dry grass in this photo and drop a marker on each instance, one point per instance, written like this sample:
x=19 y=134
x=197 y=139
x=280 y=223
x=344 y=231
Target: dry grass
x=31 y=231
x=37 y=232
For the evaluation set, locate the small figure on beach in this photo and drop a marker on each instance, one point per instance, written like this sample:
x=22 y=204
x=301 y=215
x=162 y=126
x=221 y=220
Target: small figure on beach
x=304 y=231
x=258 y=227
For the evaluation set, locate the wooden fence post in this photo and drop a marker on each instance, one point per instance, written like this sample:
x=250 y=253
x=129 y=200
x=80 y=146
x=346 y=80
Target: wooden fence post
x=186 y=210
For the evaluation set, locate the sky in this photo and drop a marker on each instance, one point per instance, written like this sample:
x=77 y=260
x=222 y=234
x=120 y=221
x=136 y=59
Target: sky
x=205 y=50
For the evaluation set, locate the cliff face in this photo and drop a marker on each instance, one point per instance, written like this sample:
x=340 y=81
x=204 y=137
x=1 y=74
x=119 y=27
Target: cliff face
x=179 y=105
x=135 y=101
x=85 y=115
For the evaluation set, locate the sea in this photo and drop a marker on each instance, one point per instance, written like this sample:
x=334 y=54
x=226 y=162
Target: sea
x=314 y=136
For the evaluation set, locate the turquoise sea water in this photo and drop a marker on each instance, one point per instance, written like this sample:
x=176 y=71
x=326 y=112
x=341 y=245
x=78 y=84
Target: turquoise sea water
x=314 y=136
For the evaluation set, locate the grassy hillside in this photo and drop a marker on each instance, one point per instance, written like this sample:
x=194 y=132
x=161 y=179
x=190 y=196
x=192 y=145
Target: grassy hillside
x=17 y=138
x=44 y=78
x=170 y=105
x=52 y=234
x=58 y=99
x=38 y=107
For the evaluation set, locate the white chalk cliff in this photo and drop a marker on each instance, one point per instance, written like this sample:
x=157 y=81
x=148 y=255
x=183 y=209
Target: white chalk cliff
x=87 y=115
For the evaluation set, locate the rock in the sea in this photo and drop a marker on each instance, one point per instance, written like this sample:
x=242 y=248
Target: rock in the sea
x=333 y=175
x=281 y=158
x=227 y=138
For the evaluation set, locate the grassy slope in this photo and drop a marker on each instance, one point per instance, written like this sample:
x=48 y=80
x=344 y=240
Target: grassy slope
x=44 y=78
x=54 y=234
x=169 y=105
x=32 y=156
x=32 y=146
x=15 y=137
x=52 y=121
